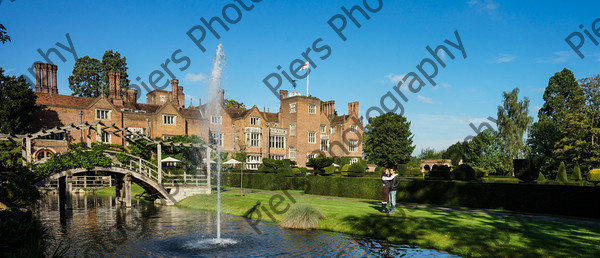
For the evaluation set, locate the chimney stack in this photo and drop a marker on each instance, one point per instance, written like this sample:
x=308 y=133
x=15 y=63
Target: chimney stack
x=111 y=85
x=175 y=92
x=45 y=81
x=54 y=88
x=283 y=94
x=353 y=108
x=329 y=108
x=117 y=85
x=38 y=77
x=131 y=96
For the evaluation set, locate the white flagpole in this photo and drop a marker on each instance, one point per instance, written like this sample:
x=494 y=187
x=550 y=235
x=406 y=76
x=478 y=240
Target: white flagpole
x=307 y=79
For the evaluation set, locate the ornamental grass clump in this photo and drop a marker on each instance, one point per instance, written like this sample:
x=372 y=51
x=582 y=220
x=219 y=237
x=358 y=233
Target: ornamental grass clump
x=302 y=216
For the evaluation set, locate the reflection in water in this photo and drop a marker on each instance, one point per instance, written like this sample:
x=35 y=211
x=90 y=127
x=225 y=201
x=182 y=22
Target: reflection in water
x=96 y=227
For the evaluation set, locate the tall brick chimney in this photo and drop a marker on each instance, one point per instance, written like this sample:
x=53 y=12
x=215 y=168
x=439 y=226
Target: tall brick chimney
x=283 y=94
x=131 y=96
x=329 y=108
x=54 y=88
x=353 y=107
x=175 y=92
x=38 y=77
x=117 y=85
x=111 y=85
x=45 y=79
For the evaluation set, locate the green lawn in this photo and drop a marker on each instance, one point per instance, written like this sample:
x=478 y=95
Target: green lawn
x=456 y=232
x=136 y=191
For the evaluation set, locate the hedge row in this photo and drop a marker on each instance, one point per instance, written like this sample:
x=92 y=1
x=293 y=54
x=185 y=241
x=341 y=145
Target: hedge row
x=550 y=199
x=266 y=181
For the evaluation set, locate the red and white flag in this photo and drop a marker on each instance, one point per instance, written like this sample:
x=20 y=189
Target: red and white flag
x=305 y=66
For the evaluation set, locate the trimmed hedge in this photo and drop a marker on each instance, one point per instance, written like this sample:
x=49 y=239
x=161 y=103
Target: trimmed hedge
x=464 y=172
x=266 y=181
x=538 y=198
x=593 y=176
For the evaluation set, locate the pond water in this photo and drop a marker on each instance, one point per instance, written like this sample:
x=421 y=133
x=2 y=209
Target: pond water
x=96 y=227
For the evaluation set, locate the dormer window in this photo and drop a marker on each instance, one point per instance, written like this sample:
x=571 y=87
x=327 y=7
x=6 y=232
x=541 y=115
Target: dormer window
x=254 y=120
x=168 y=119
x=163 y=99
x=216 y=119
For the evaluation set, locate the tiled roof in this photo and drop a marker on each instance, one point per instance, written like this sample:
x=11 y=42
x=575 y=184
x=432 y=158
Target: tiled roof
x=63 y=100
x=271 y=117
x=236 y=112
x=146 y=107
x=339 y=119
x=193 y=113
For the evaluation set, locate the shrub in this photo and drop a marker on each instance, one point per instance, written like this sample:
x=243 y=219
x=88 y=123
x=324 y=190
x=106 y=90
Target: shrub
x=562 y=173
x=378 y=169
x=440 y=172
x=481 y=172
x=576 y=176
x=414 y=171
x=402 y=169
x=464 y=172
x=319 y=163
x=345 y=168
x=303 y=170
x=286 y=168
x=356 y=168
x=525 y=169
x=541 y=177
x=302 y=216
x=328 y=170
x=593 y=176
x=296 y=171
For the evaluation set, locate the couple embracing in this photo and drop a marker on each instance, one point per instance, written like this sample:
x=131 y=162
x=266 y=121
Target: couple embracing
x=390 y=185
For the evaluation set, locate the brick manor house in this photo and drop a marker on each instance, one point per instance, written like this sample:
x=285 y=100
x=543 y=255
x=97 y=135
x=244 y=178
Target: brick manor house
x=303 y=127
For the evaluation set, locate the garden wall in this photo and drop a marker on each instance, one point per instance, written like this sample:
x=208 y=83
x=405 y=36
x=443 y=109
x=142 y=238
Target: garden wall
x=550 y=199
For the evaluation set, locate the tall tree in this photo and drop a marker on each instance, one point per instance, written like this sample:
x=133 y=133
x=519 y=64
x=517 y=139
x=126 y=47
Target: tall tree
x=455 y=153
x=486 y=151
x=573 y=145
x=430 y=153
x=17 y=104
x=85 y=80
x=513 y=122
x=112 y=61
x=562 y=87
x=591 y=92
x=388 y=140
x=542 y=137
x=3 y=35
x=230 y=103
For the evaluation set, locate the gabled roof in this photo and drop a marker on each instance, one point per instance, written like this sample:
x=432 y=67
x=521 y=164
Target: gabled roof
x=192 y=113
x=235 y=113
x=146 y=107
x=63 y=100
x=271 y=117
x=339 y=119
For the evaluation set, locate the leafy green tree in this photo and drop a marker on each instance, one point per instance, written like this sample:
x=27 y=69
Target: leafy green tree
x=3 y=35
x=513 y=121
x=430 y=153
x=542 y=137
x=17 y=104
x=575 y=128
x=85 y=80
x=388 y=140
x=562 y=173
x=561 y=89
x=455 y=153
x=230 y=103
x=485 y=151
x=591 y=91
x=112 y=61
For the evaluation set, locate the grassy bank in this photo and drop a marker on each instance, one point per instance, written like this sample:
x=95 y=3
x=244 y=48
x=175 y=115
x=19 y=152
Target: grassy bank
x=136 y=191
x=453 y=231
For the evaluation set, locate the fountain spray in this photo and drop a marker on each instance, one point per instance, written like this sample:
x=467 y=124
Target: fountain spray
x=214 y=89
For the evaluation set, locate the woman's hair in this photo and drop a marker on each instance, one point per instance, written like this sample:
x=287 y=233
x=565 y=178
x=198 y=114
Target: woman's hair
x=392 y=171
x=383 y=171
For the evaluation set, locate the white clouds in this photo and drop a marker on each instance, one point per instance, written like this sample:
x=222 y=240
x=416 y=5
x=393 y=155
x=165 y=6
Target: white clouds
x=426 y=100
x=195 y=77
x=395 y=78
x=504 y=58
x=488 y=6
x=445 y=85
x=558 y=57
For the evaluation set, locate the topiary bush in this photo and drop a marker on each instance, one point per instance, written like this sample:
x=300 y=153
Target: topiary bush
x=297 y=171
x=402 y=169
x=356 y=170
x=345 y=168
x=328 y=171
x=303 y=170
x=319 y=163
x=593 y=176
x=464 y=172
x=541 y=177
x=440 y=172
x=525 y=169
x=562 y=173
x=480 y=172
x=576 y=176
x=378 y=170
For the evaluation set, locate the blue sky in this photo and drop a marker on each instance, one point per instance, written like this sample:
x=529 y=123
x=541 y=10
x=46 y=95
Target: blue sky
x=508 y=44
